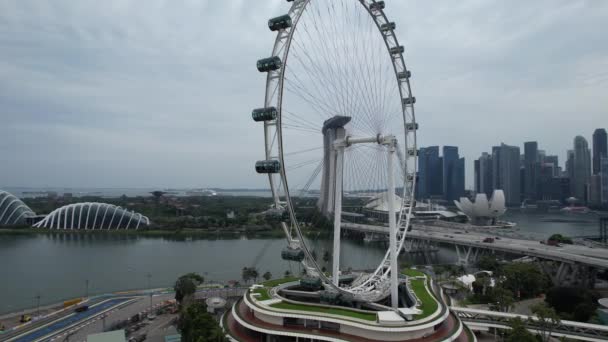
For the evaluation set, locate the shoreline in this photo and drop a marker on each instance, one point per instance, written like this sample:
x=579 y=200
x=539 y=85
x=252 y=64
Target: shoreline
x=178 y=233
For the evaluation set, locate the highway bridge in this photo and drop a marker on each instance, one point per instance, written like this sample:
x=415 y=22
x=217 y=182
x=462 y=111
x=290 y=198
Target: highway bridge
x=483 y=320
x=46 y=328
x=576 y=264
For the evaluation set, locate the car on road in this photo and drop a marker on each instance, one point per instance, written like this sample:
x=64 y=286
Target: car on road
x=151 y=317
x=488 y=240
x=25 y=318
x=82 y=308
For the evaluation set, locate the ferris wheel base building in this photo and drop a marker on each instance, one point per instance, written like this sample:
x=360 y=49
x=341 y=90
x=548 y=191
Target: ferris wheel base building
x=289 y=312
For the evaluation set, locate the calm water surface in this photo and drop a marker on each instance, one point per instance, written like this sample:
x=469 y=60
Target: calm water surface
x=58 y=266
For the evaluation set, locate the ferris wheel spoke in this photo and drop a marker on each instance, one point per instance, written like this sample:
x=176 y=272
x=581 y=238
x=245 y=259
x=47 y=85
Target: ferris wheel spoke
x=308 y=98
x=329 y=75
x=312 y=93
x=302 y=119
x=313 y=69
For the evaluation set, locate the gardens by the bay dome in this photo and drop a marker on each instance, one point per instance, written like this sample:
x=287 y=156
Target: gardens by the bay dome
x=13 y=212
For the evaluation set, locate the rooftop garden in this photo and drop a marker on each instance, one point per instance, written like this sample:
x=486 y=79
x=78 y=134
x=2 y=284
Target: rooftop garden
x=410 y=272
x=428 y=304
x=326 y=310
x=277 y=282
x=262 y=293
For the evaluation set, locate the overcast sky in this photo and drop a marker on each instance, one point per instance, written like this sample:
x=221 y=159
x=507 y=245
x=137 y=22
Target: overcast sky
x=158 y=93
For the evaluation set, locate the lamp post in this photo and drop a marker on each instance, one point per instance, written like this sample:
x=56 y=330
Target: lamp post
x=149 y=276
x=38 y=305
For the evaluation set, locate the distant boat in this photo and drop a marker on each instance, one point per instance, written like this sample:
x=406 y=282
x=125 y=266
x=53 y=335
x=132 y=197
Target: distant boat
x=576 y=210
x=201 y=192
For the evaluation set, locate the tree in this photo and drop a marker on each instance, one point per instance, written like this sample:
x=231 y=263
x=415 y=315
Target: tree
x=560 y=238
x=254 y=273
x=249 y=273
x=185 y=286
x=326 y=256
x=489 y=263
x=197 y=325
x=267 y=276
x=246 y=275
x=584 y=311
x=546 y=319
x=564 y=299
x=502 y=298
x=524 y=280
x=518 y=332
x=287 y=274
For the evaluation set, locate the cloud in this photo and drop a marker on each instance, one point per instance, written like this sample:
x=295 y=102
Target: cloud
x=122 y=93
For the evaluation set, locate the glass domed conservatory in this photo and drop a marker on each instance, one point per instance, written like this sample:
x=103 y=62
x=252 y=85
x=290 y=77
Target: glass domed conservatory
x=13 y=211
x=93 y=216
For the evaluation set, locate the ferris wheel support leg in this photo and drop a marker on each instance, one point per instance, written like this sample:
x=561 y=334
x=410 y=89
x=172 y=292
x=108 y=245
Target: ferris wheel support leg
x=392 y=229
x=337 y=213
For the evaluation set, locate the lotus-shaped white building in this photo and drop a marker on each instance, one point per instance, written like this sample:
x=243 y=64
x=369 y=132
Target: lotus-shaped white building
x=13 y=211
x=483 y=212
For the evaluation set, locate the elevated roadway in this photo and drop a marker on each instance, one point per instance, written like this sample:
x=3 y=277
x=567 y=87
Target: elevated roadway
x=483 y=319
x=44 y=330
x=473 y=240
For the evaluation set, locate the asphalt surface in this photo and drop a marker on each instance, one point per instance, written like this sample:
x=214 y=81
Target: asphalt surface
x=69 y=320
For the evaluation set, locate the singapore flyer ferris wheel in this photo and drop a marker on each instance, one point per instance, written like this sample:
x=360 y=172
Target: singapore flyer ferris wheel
x=340 y=134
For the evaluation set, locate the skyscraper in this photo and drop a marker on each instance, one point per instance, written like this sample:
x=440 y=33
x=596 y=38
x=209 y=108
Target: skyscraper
x=555 y=161
x=531 y=163
x=453 y=174
x=505 y=172
x=581 y=168
x=429 y=172
x=483 y=175
x=600 y=149
x=595 y=190
x=604 y=181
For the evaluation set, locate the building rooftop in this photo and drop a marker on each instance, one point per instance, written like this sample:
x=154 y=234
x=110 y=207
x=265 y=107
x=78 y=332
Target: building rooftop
x=110 y=336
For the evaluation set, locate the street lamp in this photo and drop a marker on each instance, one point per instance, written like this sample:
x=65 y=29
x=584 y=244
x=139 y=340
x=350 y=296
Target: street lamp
x=149 y=276
x=38 y=305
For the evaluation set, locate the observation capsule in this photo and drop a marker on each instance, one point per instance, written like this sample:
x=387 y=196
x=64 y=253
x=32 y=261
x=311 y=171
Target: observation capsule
x=412 y=152
x=264 y=114
x=397 y=49
x=376 y=6
x=279 y=23
x=411 y=126
x=404 y=74
x=409 y=100
x=311 y=283
x=280 y=215
x=267 y=166
x=292 y=254
x=269 y=64
x=387 y=26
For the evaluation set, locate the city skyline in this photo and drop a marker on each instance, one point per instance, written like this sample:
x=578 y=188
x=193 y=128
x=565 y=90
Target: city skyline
x=144 y=97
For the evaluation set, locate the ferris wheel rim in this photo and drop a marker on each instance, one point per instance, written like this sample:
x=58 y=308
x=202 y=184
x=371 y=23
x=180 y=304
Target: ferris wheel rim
x=282 y=48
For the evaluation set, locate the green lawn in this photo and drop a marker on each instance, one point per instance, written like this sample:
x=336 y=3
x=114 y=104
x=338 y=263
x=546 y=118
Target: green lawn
x=276 y=282
x=410 y=272
x=264 y=295
x=428 y=303
x=320 y=309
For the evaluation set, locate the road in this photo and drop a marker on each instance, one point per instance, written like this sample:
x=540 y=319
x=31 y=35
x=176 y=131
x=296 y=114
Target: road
x=49 y=329
x=596 y=257
x=106 y=312
x=142 y=304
